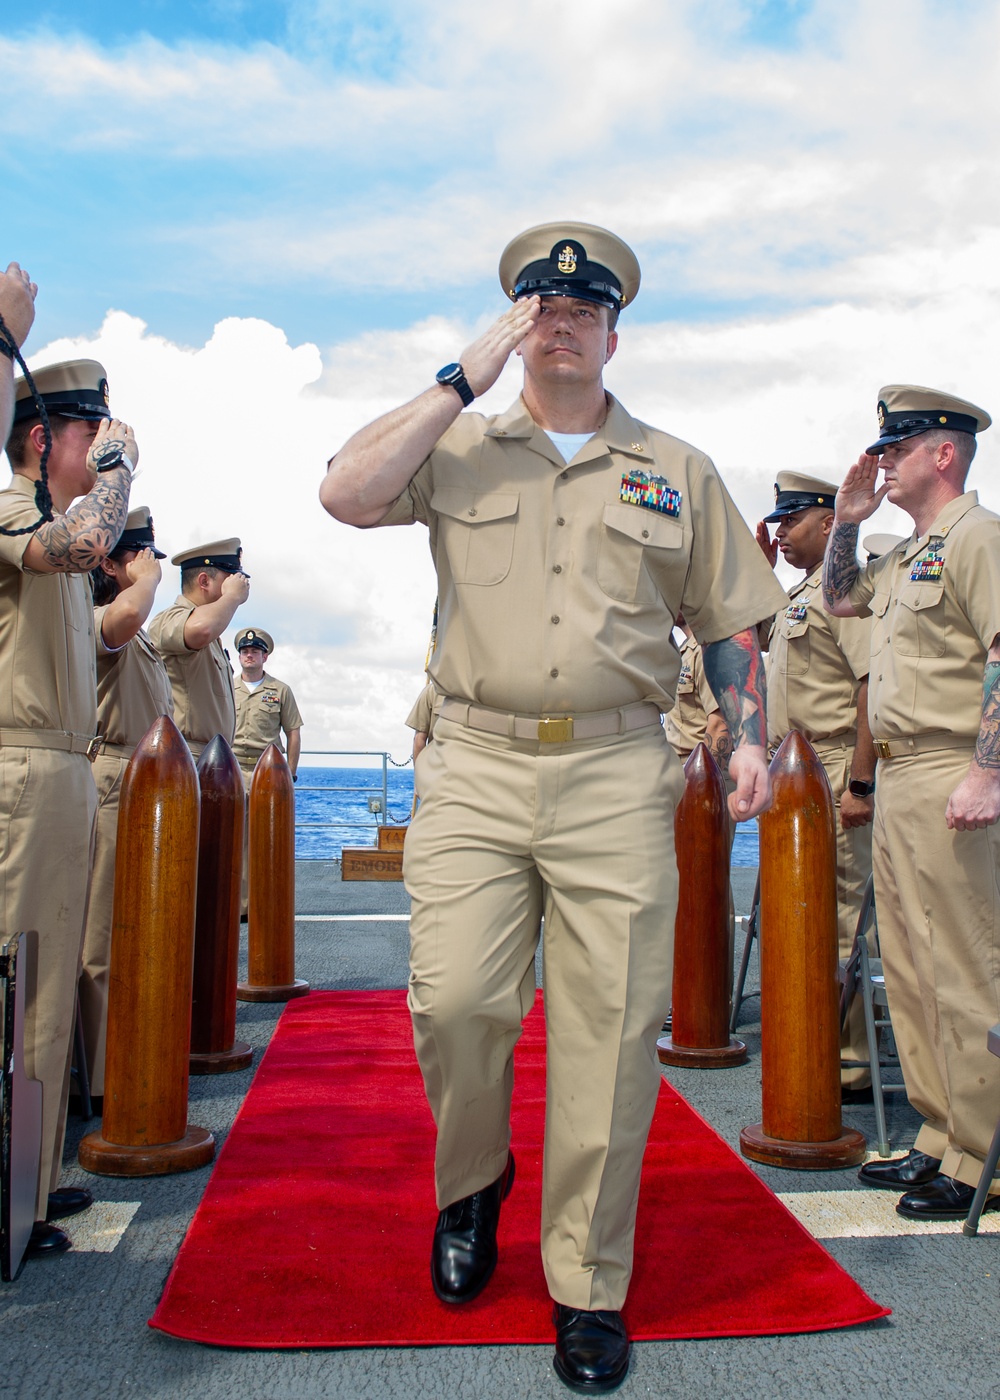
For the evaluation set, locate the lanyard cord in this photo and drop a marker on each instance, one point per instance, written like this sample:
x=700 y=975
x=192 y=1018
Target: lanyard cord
x=43 y=498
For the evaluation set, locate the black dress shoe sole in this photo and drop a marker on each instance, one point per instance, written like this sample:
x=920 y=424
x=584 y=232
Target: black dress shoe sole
x=586 y=1387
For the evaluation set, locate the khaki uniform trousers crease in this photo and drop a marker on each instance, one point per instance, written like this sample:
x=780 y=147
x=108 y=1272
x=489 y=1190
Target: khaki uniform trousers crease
x=938 y=907
x=854 y=866
x=47 y=806
x=247 y=768
x=509 y=830
x=109 y=770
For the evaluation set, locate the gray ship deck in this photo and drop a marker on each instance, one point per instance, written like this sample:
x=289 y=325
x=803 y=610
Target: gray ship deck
x=75 y=1326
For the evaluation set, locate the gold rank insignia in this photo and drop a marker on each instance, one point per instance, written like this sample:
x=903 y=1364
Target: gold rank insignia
x=881 y=414
x=567 y=260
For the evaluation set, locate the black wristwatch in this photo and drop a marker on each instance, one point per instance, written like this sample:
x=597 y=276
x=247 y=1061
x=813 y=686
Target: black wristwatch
x=110 y=455
x=454 y=375
x=857 y=788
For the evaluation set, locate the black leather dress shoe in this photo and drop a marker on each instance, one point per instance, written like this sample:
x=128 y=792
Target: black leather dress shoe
x=915 y=1169
x=464 y=1252
x=45 y=1240
x=68 y=1200
x=591 y=1349
x=944 y=1198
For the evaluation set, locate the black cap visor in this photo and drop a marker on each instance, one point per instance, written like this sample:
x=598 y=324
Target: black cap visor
x=75 y=403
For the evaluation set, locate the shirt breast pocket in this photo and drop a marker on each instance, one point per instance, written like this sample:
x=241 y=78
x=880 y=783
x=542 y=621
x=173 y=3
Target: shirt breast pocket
x=796 y=635
x=632 y=538
x=918 y=627
x=476 y=533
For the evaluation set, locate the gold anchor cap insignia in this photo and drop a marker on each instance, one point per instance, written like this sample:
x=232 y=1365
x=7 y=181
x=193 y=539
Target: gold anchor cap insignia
x=567 y=260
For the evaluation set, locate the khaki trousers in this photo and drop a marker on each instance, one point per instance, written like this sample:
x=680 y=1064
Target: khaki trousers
x=109 y=770
x=47 y=806
x=938 y=904
x=854 y=866
x=509 y=830
x=248 y=772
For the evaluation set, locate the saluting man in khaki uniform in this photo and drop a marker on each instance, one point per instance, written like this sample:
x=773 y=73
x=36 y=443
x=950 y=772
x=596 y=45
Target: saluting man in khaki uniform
x=133 y=690
x=934 y=705
x=48 y=714
x=817 y=683
x=567 y=535
x=213 y=586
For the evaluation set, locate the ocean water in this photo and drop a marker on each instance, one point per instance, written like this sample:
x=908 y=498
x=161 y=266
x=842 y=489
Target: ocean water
x=332 y=811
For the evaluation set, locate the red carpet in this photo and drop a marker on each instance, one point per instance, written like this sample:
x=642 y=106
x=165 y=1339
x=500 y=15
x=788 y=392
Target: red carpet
x=315 y=1228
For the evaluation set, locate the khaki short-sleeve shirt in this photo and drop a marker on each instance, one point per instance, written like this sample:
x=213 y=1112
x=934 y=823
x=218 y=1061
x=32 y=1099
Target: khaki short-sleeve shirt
x=47 y=678
x=421 y=717
x=815 y=665
x=558 y=590
x=201 y=681
x=261 y=715
x=133 y=688
x=687 y=722
x=934 y=601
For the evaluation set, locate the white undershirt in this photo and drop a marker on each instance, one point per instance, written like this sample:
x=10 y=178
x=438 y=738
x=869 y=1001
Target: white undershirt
x=252 y=685
x=569 y=444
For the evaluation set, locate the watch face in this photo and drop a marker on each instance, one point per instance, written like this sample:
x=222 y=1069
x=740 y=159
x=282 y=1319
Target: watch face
x=450 y=372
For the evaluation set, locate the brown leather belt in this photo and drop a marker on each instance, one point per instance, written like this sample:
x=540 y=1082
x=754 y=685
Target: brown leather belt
x=86 y=744
x=921 y=743
x=551 y=729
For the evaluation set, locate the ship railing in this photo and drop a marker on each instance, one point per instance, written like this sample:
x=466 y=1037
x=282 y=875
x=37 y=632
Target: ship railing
x=378 y=796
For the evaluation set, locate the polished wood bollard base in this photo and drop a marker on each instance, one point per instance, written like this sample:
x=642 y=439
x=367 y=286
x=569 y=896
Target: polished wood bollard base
x=688 y=1057
x=195 y=1149
x=844 y=1151
x=246 y=991
x=237 y=1057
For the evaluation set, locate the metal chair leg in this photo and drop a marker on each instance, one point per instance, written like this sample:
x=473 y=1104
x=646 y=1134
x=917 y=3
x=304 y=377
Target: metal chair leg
x=971 y=1225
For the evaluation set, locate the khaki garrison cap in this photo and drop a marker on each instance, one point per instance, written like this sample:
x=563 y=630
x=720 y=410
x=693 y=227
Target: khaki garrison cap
x=71 y=389
x=793 y=491
x=570 y=260
x=220 y=554
x=254 y=637
x=138 y=533
x=877 y=545
x=904 y=410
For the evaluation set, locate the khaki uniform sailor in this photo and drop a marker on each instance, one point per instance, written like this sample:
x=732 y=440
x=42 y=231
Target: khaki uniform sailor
x=133 y=690
x=202 y=679
x=934 y=601
x=263 y=712
x=815 y=667
x=264 y=709
x=48 y=716
x=550 y=787
x=687 y=723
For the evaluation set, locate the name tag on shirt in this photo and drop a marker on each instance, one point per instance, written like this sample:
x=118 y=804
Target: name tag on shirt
x=640 y=488
x=928 y=567
x=796 y=612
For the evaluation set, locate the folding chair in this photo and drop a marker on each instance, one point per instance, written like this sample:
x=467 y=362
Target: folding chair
x=992 y=1157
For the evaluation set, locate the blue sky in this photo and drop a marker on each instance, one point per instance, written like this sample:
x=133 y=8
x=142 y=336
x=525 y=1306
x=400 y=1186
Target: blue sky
x=295 y=212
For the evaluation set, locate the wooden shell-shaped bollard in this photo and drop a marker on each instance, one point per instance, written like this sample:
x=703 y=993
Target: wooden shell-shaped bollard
x=145 y=1131
x=271 y=930
x=214 y=1047
x=800 y=1023
x=703 y=970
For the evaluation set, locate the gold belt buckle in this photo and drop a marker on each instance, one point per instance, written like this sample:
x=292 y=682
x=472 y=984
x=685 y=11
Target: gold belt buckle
x=555 y=731
x=883 y=748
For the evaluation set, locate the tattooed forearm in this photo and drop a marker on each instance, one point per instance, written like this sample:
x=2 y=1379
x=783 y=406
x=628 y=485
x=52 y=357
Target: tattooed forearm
x=988 y=743
x=77 y=541
x=718 y=741
x=840 y=565
x=735 y=671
